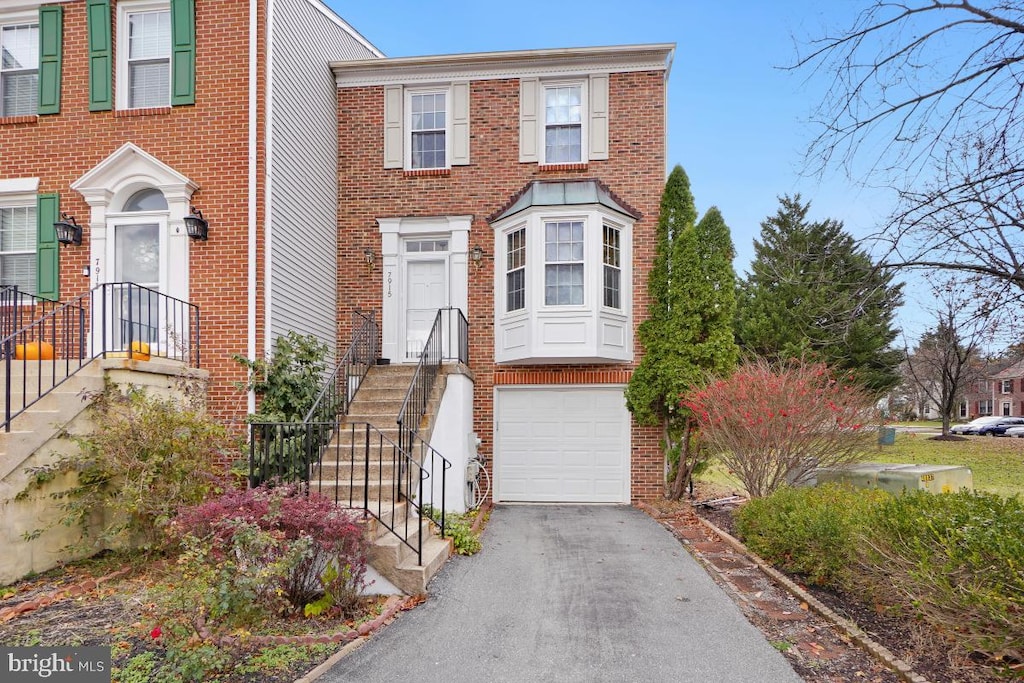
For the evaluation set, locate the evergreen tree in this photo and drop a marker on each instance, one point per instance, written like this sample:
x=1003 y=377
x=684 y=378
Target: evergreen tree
x=688 y=335
x=813 y=294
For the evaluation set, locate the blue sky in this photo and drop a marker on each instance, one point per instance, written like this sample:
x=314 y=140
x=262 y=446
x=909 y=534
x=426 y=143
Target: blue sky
x=737 y=120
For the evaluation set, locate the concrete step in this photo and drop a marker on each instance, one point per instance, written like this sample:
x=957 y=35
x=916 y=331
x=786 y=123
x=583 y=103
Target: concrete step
x=412 y=577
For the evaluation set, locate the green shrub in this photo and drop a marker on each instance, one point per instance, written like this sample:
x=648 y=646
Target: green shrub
x=957 y=560
x=148 y=457
x=457 y=527
x=809 y=531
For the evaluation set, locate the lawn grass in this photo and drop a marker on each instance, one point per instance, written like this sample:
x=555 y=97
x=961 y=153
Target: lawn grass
x=996 y=463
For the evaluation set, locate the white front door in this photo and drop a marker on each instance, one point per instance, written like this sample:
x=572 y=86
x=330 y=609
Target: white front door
x=426 y=291
x=135 y=255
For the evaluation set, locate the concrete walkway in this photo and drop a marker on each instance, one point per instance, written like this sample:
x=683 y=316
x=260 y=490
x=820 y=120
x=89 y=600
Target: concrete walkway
x=570 y=593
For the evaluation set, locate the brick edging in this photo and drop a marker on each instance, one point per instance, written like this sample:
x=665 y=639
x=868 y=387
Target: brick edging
x=72 y=591
x=855 y=633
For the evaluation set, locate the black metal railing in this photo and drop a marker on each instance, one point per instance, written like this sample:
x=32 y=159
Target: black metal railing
x=448 y=340
x=42 y=355
x=355 y=465
x=138 y=322
x=341 y=387
x=19 y=309
x=127 y=321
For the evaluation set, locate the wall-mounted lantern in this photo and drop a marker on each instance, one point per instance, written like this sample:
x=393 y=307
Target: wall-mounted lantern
x=197 y=227
x=68 y=230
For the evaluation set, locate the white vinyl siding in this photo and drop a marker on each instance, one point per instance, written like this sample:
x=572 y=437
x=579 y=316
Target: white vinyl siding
x=19 y=69
x=302 y=152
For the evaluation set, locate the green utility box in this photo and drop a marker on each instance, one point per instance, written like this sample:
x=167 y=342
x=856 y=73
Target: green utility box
x=899 y=478
x=886 y=436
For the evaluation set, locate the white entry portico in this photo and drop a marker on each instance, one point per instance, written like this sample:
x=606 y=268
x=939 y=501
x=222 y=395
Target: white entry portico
x=425 y=265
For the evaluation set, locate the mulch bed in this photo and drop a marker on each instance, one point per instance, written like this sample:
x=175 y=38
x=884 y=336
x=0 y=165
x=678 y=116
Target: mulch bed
x=911 y=641
x=93 y=605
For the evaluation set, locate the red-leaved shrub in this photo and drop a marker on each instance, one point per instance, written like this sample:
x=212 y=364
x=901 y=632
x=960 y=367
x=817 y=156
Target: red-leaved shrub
x=773 y=424
x=310 y=533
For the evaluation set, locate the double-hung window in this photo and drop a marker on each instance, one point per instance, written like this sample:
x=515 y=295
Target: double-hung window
x=563 y=263
x=428 y=130
x=1006 y=386
x=563 y=124
x=147 y=46
x=515 y=273
x=18 y=247
x=612 y=251
x=19 y=69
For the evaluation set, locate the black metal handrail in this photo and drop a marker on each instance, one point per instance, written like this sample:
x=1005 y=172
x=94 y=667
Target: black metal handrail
x=128 y=321
x=341 y=387
x=19 y=309
x=344 y=462
x=448 y=340
x=42 y=355
x=139 y=322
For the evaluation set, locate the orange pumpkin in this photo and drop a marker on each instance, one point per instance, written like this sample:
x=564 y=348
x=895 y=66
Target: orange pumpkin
x=140 y=350
x=34 y=351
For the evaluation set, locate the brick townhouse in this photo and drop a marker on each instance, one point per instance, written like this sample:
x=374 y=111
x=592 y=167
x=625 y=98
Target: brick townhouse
x=519 y=188
x=127 y=115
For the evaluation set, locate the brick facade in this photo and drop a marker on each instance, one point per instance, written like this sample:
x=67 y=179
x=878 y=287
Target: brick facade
x=206 y=142
x=634 y=171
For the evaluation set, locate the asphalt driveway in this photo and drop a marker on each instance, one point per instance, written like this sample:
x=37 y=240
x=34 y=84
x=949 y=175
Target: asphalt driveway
x=570 y=593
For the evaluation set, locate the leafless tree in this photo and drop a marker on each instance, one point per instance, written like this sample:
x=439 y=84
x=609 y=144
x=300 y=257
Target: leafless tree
x=947 y=358
x=927 y=97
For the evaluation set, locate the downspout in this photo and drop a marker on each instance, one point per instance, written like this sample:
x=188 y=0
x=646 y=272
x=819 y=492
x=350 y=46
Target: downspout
x=252 y=181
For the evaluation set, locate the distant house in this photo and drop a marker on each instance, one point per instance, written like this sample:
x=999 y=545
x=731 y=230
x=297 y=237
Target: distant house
x=1007 y=393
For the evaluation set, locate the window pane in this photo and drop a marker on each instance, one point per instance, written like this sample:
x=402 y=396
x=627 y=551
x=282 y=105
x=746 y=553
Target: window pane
x=20 y=94
x=19 y=70
x=563 y=285
x=428 y=150
x=20 y=47
x=18 y=247
x=562 y=144
x=149 y=84
x=137 y=254
x=149 y=199
x=516 y=290
x=149 y=35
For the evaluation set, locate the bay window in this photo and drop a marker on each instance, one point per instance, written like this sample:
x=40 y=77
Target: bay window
x=564 y=294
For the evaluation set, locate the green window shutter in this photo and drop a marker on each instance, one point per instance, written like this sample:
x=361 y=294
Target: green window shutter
x=101 y=96
x=50 y=34
x=47 y=247
x=183 y=52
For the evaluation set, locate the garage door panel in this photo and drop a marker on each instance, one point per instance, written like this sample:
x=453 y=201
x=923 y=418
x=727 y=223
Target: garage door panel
x=562 y=445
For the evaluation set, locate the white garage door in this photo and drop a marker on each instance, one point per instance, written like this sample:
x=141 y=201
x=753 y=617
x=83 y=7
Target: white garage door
x=562 y=445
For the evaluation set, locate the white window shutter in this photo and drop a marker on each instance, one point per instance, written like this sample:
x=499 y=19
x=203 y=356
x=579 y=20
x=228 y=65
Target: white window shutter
x=598 y=148
x=393 y=134
x=529 y=134
x=460 y=124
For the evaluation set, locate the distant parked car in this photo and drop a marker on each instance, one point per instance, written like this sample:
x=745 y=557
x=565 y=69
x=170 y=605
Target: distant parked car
x=1015 y=431
x=974 y=425
x=998 y=428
